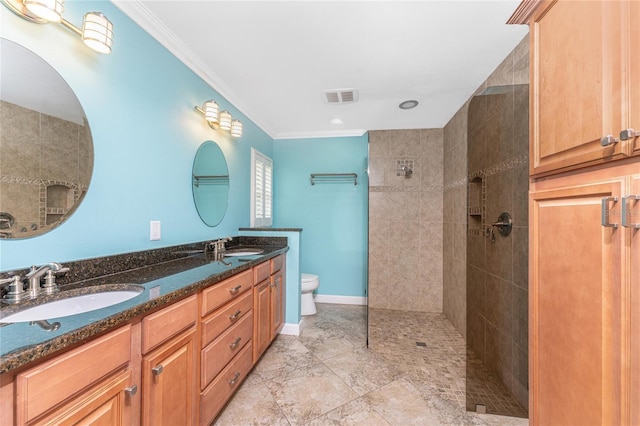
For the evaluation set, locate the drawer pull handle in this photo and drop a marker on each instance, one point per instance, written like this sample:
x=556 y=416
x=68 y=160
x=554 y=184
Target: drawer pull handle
x=625 y=212
x=606 y=213
x=157 y=370
x=235 y=379
x=236 y=315
x=235 y=290
x=131 y=391
x=235 y=343
x=627 y=134
x=608 y=140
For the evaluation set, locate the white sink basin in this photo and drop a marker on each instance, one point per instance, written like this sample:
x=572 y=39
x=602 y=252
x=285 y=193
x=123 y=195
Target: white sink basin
x=72 y=303
x=243 y=251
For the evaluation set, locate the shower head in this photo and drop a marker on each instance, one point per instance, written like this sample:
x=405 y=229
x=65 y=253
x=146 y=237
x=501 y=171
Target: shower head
x=407 y=171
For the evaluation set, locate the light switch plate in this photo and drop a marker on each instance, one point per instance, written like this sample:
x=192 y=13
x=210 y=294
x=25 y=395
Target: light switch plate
x=154 y=230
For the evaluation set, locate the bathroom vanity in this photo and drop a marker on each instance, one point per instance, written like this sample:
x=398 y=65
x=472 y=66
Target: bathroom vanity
x=175 y=354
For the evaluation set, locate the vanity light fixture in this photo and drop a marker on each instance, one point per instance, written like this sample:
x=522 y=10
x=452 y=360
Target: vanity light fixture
x=236 y=128
x=96 y=32
x=220 y=120
x=225 y=120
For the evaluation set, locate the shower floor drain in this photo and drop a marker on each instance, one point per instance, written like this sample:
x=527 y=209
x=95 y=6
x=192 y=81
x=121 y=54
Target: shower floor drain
x=423 y=344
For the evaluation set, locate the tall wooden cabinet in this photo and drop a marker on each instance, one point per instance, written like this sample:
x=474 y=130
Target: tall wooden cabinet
x=584 y=319
x=584 y=82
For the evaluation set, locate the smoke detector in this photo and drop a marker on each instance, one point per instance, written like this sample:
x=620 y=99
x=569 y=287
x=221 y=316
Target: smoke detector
x=341 y=96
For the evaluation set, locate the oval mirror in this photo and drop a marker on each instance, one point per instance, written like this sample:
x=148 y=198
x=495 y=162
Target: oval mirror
x=46 y=150
x=210 y=183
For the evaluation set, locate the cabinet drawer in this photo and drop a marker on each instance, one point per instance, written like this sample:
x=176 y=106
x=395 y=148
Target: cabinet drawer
x=164 y=324
x=261 y=272
x=277 y=263
x=219 y=294
x=216 y=395
x=224 y=348
x=225 y=317
x=45 y=386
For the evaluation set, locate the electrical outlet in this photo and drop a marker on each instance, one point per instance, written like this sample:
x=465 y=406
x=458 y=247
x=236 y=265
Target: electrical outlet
x=154 y=292
x=154 y=230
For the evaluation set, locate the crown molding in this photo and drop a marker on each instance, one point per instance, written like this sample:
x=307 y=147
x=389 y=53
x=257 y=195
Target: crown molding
x=321 y=134
x=142 y=16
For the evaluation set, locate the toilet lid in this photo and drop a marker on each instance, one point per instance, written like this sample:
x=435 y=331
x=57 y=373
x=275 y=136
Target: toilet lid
x=309 y=277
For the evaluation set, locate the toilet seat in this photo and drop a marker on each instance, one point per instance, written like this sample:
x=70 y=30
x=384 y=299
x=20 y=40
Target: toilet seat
x=309 y=277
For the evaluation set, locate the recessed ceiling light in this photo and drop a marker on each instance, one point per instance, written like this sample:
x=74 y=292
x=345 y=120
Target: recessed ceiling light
x=336 y=121
x=408 y=104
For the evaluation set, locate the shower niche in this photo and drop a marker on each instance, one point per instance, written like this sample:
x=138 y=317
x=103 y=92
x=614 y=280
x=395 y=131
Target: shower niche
x=475 y=206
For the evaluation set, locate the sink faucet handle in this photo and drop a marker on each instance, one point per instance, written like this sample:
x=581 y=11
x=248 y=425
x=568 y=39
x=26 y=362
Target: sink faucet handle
x=50 y=286
x=15 y=289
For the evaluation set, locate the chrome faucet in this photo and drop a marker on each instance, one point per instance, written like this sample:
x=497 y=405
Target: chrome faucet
x=218 y=247
x=35 y=274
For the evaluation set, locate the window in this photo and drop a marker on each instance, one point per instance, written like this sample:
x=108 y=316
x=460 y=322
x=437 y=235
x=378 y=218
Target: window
x=261 y=189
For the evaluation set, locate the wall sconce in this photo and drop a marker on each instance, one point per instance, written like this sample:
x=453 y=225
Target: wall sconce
x=220 y=120
x=96 y=32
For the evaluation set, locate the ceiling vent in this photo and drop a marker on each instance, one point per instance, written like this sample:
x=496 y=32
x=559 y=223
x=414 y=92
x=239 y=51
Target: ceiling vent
x=341 y=96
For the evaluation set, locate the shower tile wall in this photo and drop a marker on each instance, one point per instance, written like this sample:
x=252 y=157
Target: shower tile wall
x=405 y=220
x=485 y=296
x=35 y=154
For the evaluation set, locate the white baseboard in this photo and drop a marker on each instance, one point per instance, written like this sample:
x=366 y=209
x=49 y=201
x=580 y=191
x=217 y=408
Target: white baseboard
x=340 y=300
x=292 y=329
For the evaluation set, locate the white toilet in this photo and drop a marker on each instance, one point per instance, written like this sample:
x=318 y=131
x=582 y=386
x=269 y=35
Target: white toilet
x=308 y=284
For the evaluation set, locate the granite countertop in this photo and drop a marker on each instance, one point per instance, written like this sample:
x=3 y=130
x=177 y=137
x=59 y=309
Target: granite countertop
x=22 y=343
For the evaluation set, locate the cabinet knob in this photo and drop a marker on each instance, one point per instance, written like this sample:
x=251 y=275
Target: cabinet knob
x=608 y=140
x=236 y=315
x=130 y=391
x=235 y=290
x=235 y=379
x=627 y=134
x=235 y=343
x=157 y=370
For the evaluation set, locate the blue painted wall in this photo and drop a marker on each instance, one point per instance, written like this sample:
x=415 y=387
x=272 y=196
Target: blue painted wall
x=139 y=103
x=333 y=216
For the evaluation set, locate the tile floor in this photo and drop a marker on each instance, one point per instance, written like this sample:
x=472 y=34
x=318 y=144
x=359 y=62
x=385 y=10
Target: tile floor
x=326 y=376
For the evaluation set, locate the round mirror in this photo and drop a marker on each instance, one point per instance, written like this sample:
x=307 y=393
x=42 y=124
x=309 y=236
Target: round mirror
x=46 y=150
x=210 y=183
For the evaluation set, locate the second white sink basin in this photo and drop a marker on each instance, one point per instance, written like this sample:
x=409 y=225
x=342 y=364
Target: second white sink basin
x=74 y=303
x=248 y=251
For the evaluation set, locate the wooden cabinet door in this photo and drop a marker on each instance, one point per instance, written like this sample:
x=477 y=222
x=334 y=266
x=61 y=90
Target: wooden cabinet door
x=575 y=302
x=277 y=303
x=634 y=305
x=576 y=73
x=261 y=318
x=105 y=405
x=169 y=395
x=633 y=92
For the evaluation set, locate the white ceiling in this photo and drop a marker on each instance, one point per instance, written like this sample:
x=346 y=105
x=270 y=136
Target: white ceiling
x=273 y=60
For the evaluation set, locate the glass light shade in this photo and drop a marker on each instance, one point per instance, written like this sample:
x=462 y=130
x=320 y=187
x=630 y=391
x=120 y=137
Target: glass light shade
x=49 y=10
x=211 y=110
x=97 y=32
x=225 y=120
x=236 y=128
